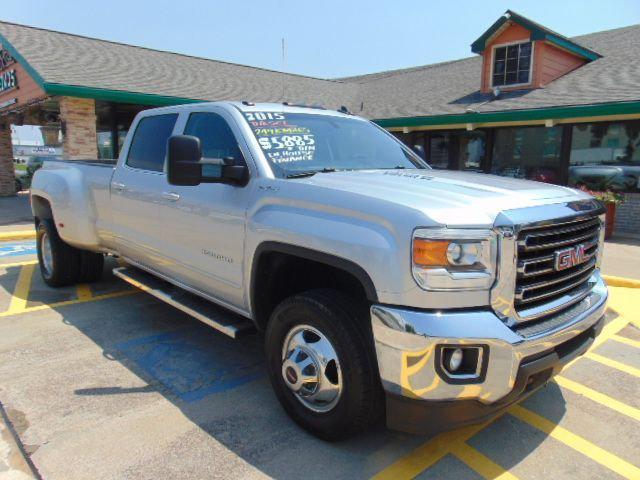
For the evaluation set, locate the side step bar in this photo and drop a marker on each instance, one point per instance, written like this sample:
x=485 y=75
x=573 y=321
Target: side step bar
x=207 y=312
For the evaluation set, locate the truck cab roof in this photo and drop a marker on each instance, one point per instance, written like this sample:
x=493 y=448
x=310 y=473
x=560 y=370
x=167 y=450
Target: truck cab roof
x=246 y=106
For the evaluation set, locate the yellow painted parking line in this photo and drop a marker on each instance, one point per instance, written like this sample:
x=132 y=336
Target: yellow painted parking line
x=423 y=457
x=17 y=235
x=625 y=340
x=17 y=264
x=21 y=291
x=70 y=302
x=614 y=281
x=480 y=463
x=579 y=444
x=83 y=291
x=598 y=397
x=624 y=301
x=623 y=367
x=608 y=331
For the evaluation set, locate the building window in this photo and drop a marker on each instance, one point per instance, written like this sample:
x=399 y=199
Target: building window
x=532 y=153
x=439 y=152
x=455 y=150
x=472 y=151
x=512 y=64
x=606 y=156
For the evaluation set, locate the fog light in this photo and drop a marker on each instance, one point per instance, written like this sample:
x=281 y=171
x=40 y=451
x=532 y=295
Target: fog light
x=462 y=363
x=455 y=360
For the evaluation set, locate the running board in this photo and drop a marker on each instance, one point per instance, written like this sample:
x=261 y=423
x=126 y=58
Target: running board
x=207 y=312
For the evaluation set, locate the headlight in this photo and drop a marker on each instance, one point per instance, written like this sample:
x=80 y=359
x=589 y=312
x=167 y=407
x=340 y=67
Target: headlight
x=454 y=259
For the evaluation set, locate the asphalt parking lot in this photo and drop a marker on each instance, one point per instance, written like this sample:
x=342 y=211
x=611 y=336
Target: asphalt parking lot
x=104 y=381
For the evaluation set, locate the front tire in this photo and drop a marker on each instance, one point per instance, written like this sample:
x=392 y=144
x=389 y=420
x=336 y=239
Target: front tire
x=321 y=365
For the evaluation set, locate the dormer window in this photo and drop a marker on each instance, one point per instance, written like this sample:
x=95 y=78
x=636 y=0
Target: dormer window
x=512 y=64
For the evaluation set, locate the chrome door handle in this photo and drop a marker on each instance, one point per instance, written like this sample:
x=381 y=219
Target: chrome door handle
x=171 y=196
x=117 y=186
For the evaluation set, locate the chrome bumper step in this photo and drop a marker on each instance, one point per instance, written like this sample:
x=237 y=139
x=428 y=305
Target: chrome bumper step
x=207 y=312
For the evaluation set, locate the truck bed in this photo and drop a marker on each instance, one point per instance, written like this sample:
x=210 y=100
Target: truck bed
x=106 y=162
x=83 y=197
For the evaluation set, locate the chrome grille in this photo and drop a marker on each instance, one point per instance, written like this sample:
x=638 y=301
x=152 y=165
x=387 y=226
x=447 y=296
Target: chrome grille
x=543 y=326
x=539 y=282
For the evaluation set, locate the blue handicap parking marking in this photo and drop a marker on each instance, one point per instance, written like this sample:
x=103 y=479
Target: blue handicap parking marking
x=193 y=364
x=17 y=249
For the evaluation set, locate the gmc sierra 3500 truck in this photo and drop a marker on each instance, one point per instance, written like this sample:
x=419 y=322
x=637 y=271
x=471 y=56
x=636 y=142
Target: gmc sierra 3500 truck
x=380 y=285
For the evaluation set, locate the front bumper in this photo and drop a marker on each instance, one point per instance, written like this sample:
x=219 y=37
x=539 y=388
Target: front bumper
x=516 y=362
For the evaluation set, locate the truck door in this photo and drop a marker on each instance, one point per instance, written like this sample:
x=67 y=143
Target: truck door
x=205 y=224
x=136 y=189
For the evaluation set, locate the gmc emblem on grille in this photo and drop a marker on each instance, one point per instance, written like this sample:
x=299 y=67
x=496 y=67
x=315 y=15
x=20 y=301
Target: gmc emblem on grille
x=569 y=257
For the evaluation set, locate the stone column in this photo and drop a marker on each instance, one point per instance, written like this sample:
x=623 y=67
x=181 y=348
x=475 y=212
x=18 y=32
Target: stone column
x=80 y=139
x=7 y=173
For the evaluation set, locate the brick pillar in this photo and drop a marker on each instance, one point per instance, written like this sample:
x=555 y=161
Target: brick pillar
x=80 y=138
x=7 y=173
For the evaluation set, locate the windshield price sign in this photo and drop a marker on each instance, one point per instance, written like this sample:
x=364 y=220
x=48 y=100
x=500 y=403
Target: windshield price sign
x=280 y=140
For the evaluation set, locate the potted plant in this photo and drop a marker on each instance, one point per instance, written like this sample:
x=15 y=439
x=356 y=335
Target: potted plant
x=610 y=200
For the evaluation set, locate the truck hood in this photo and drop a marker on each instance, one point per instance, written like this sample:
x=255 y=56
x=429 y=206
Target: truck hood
x=448 y=197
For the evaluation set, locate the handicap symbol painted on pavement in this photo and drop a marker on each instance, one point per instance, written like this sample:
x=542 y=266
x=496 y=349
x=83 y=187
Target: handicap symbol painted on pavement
x=17 y=249
x=193 y=364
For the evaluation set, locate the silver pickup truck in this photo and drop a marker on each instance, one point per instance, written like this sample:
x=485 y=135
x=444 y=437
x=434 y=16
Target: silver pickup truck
x=382 y=287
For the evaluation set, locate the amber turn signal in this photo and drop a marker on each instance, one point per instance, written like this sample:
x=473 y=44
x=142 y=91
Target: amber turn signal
x=430 y=253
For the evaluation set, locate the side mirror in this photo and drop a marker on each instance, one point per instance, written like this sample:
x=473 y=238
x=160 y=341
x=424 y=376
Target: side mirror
x=185 y=165
x=183 y=160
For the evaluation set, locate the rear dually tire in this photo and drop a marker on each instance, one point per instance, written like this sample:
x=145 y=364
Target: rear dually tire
x=60 y=263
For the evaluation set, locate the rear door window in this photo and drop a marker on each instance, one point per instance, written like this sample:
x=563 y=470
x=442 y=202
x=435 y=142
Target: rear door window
x=149 y=145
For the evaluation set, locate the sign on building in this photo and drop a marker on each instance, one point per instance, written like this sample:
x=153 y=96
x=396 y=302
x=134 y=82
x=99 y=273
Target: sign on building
x=6 y=59
x=8 y=78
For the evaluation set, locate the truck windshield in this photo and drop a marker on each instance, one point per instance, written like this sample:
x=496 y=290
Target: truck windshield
x=296 y=144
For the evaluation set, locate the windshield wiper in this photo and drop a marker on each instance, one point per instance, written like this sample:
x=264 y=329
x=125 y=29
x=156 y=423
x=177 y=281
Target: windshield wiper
x=309 y=173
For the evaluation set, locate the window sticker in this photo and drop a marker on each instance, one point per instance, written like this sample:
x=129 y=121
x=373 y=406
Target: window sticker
x=281 y=140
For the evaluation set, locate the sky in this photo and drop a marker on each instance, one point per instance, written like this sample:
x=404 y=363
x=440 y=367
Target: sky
x=323 y=38
x=326 y=38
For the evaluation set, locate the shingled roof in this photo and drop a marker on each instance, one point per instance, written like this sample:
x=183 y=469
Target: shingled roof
x=449 y=88
x=454 y=87
x=66 y=59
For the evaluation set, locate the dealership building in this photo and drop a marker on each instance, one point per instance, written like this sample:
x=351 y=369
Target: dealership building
x=530 y=103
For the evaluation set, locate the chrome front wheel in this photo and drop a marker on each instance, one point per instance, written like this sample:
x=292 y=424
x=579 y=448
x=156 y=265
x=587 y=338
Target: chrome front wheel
x=321 y=364
x=311 y=368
